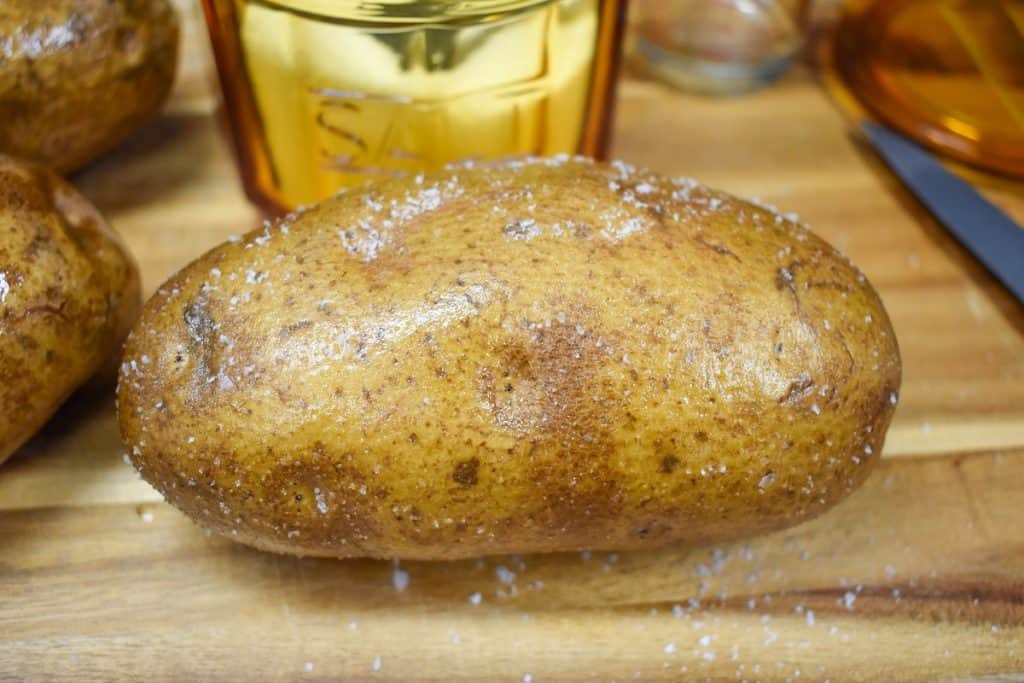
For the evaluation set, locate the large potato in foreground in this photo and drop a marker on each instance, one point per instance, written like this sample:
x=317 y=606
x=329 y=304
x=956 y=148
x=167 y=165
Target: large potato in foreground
x=77 y=76
x=551 y=356
x=69 y=291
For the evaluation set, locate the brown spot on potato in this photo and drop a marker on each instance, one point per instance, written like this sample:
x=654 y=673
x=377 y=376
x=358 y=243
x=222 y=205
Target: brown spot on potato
x=465 y=472
x=668 y=464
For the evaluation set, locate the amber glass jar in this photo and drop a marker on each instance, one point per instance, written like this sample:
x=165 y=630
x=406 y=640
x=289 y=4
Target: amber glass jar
x=323 y=94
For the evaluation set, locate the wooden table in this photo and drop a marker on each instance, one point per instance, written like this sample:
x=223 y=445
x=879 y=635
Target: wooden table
x=919 y=576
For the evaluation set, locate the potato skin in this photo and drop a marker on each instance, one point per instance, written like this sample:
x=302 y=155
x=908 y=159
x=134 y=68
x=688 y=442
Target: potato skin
x=69 y=292
x=77 y=76
x=547 y=356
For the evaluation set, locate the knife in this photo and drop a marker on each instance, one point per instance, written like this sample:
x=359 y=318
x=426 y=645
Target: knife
x=988 y=233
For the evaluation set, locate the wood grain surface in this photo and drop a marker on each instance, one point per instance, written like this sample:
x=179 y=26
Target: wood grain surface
x=918 y=576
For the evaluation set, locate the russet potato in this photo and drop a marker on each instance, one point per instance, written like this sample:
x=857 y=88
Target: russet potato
x=69 y=291
x=77 y=76
x=540 y=356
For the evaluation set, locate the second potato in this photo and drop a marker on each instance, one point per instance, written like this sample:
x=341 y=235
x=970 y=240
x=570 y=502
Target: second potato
x=77 y=76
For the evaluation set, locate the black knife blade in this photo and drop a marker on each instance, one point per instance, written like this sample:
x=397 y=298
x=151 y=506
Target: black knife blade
x=988 y=233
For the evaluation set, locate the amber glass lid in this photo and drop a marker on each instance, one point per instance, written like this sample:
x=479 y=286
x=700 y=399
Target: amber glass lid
x=949 y=73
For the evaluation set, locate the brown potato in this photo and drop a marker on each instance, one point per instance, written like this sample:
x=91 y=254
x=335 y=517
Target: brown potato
x=548 y=356
x=77 y=76
x=69 y=292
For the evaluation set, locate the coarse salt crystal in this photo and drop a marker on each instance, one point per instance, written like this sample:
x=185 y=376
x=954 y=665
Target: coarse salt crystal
x=505 y=575
x=400 y=579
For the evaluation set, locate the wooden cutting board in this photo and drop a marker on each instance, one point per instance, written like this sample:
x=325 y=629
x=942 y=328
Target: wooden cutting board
x=919 y=576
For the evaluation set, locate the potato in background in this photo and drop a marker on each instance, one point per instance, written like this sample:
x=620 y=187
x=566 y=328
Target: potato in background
x=78 y=76
x=69 y=292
